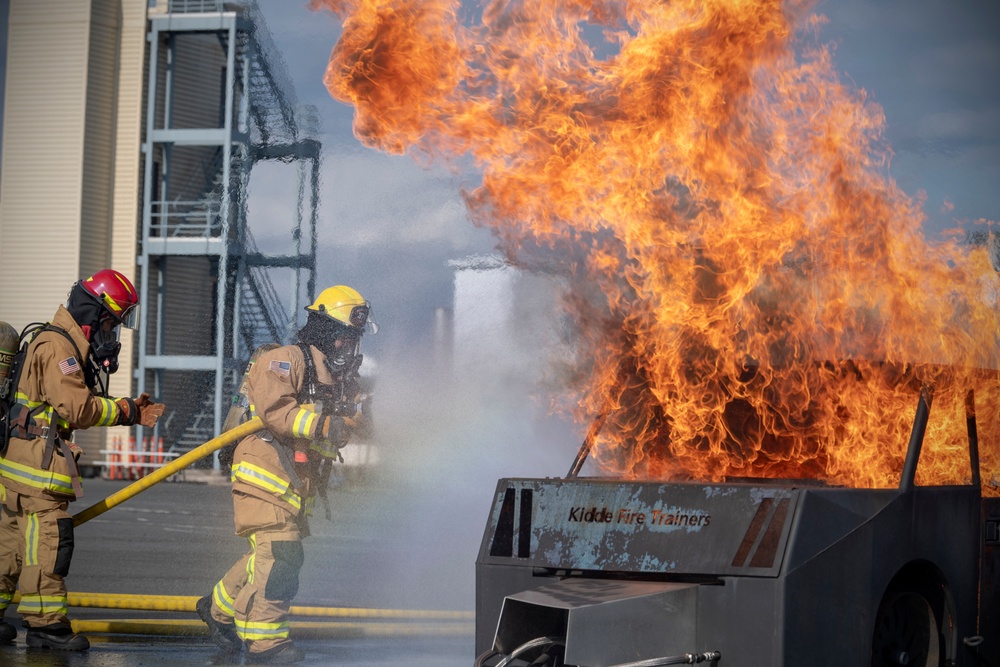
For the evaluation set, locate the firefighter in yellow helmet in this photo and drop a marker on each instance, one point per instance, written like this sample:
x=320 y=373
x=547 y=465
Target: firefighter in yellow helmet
x=59 y=388
x=307 y=396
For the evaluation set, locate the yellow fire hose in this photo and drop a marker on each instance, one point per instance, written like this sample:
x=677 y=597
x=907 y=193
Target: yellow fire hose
x=297 y=629
x=186 y=603
x=181 y=462
x=387 y=622
x=455 y=622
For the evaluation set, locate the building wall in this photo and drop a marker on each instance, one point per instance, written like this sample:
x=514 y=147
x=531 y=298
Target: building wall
x=44 y=129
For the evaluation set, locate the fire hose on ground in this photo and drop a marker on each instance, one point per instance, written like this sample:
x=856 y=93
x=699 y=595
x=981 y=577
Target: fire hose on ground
x=434 y=622
x=354 y=621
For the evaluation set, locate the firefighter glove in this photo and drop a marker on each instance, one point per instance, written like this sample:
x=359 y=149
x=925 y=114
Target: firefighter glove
x=149 y=412
x=336 y=428
x=139 y=411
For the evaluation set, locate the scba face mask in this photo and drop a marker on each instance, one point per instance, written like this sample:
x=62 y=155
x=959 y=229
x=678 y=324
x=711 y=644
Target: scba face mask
x=105 y=346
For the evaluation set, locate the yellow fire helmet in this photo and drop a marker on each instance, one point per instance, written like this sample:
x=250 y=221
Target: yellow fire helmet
x=345 y=305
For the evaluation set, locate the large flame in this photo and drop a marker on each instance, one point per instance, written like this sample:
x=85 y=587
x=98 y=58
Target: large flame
x=767 y=302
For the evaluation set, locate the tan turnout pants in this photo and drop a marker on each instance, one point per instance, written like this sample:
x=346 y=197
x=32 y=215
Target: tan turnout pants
x=257 y=591
x=36 y=546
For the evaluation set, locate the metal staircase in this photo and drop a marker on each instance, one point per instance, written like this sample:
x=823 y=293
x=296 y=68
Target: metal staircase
x=197 y=246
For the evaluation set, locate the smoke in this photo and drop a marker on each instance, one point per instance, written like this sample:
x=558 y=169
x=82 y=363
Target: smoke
x=453 y=415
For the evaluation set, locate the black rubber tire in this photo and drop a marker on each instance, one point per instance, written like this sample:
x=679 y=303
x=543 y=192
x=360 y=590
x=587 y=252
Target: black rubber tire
x=907 y=631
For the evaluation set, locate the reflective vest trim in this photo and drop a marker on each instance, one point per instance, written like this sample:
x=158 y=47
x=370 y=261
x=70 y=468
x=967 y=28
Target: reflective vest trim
x=34 y=477
x=224 y=599
x=325 y=449
x=252 y=561
x=44 y=417
x=43 y=604
x=31 y=540
x=257 y=476
x=257 y=631
x=109 y=412
x=304 y=423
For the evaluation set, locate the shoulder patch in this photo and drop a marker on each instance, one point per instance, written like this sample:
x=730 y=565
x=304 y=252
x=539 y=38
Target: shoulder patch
x=69 y=366
x=281 y=367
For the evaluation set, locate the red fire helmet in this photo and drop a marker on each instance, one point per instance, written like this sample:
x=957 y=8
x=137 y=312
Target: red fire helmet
x=117 y=294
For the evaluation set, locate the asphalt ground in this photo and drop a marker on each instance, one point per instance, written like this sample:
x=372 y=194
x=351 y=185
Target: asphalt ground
x=388 y=546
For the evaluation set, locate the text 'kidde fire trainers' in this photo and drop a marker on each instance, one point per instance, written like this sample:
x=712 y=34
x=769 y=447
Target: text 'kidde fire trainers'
x=223 y=634
x=59 y=639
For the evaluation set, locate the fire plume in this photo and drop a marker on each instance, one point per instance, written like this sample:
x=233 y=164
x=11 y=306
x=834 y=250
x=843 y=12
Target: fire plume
x=753 y=294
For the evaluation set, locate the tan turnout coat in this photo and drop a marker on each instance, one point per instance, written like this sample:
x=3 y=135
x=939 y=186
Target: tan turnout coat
x=53 y=383
x=264 y=465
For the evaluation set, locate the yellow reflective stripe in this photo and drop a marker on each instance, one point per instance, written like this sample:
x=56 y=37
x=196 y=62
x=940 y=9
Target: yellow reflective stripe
x=43 y=604
x=325 y=448
x=109 y=412
x=304 y=423
x=257 y=476
x=256 y=631
x=39 y=479
x=5 y=600
x=31 y=539
x=44 y=417
x=253 y=411
x=223 y=599
x=252 y=561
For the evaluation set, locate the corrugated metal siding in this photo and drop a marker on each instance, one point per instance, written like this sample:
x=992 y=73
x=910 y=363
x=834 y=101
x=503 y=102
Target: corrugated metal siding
x=199 y=81
x=190 y=301
x=127 y=182
x=99 y=138
x=43 y=154
x=197 y=96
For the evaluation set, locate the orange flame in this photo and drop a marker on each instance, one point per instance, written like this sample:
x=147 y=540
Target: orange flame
x=768 y=303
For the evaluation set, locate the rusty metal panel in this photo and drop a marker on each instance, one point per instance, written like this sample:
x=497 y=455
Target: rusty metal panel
x=640 y=526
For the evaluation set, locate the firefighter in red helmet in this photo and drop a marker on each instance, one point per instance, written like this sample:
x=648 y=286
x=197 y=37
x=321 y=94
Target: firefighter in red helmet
x=61 y=388
x=307 y=396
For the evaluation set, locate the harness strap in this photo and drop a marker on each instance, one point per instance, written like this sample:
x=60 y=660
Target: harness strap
x=312 y=377
x=74 y=469
x=50 y=443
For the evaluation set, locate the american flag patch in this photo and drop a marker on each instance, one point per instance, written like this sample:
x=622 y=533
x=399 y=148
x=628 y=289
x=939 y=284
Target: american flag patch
x=68 y=366
x=281 y=367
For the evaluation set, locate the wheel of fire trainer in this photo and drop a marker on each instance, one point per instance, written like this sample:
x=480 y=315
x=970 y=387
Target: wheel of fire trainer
x=906 y=632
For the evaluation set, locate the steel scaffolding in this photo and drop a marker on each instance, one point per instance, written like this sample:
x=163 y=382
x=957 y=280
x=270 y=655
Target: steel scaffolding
x=207 y=289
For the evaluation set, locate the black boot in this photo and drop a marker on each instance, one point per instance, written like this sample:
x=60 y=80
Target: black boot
x=283 y=654
x=8 y=632
x=223 y=634
x=58 y=637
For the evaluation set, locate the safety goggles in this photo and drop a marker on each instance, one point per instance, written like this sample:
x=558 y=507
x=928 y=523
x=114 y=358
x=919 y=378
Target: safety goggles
x=129 y=318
